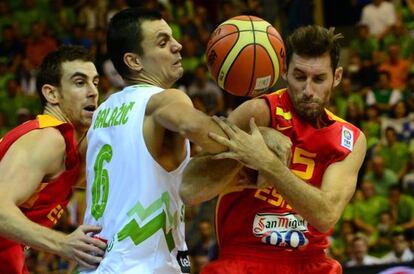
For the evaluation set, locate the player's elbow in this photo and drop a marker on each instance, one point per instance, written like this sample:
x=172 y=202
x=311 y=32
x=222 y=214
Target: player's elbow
x=325 y=223
x=186 y=195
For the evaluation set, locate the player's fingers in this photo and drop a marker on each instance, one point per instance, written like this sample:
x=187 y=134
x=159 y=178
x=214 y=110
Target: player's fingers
x=224 y=126
x=253 y=127
x=219 y=139
x=232 y=126
x=89 y=259
x=86 y=264
x=90 y=228
x=225 y=155
x=96 y=241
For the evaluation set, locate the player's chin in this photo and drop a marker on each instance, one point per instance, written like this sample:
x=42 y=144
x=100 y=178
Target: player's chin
x=177 y=74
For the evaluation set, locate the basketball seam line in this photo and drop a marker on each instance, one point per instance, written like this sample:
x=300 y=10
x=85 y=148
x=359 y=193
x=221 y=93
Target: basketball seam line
x=254 y=59
x=245 y=31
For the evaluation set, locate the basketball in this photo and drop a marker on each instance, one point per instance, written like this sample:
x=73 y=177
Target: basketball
x=245 y=55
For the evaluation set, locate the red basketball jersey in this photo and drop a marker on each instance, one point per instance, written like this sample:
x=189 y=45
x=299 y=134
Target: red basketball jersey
x=260 y=222
x=46 y=205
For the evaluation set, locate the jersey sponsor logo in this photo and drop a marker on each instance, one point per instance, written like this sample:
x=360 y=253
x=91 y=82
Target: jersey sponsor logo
x=184 y=261
x=285 y=230
x=347 y=138
x=267 y=222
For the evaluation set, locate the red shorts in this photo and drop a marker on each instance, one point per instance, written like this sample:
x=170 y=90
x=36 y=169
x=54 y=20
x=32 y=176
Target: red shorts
x=12 y=259
x=286 y=263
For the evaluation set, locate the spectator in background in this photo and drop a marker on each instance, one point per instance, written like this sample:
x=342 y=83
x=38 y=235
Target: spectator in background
x=399 y=35
x=16 y=100
x=6 y=16
x=360 y=254
x=371 y=126
x=26 y=76
x=379 y=16
x=409 y=235
x=383 y=96
x=368 y=210
x=4 y=126
x=340 y=247
x=385 y=229
x=402 y=208
x=61 y=19
x=394 y=152
x=78 y=37
x=400 y=252
x=39 y=43
x=408 y=94
x=200 y=251
x=92 y=14
x=11 y=47
x=114 y=7
x=396 y=67
x=364 y=45
x=28 y=15
x=202 y=86
x=190 y=60
x=5 y=75
x=380 y=175
x=406 y=13
x=401 y=120
x=346 y=95
x=407 y=176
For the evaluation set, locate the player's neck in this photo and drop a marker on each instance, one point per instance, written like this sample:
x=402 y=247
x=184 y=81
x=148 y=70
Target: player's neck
x=147 y=79
x=56 y=112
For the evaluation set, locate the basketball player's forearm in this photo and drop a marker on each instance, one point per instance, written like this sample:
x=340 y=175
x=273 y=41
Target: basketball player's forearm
x=192 y=124
x=205 y=178
x=14 y=225
x=311 y=203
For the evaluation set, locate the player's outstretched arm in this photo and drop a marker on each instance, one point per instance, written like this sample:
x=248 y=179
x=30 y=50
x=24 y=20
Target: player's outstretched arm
x=320 y=207
x=33 y=158
x=173 y=110
x=204 y=177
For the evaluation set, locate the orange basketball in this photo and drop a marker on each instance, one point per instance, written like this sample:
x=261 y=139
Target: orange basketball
x=245 y=55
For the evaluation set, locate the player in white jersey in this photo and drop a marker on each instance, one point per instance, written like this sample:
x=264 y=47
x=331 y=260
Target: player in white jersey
x=138 y=147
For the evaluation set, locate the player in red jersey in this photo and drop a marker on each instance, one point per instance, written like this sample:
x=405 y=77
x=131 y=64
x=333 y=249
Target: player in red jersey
x=41 y=161
x=284 y=228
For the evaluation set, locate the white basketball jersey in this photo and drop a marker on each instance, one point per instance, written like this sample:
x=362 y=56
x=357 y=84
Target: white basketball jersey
x=129 y=194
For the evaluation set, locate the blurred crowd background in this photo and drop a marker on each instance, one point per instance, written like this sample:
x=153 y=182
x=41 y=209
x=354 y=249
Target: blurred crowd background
x=376 y=94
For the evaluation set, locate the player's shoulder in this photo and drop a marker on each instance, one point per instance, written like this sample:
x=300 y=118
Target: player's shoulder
x=166 y=97
x=41 y=143
x=46 y=135
x=171 y=94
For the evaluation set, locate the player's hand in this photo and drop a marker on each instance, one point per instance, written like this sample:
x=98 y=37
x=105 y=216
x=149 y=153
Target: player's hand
x=249 y=149
x=279 y=143
x=84 y=249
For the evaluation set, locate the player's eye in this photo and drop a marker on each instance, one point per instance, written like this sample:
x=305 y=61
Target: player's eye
x=79 y=83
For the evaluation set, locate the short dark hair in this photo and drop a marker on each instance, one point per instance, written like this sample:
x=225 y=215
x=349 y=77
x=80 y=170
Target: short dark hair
x=50 y=70
x=125 y=35
x=314 y=41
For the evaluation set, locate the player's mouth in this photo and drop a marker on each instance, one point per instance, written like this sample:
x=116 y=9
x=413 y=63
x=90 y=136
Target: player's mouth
x=177 y=63
x=89 y=109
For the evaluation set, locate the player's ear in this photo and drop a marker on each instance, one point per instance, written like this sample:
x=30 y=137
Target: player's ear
x=51 y=94
x=284 y=72
x=284 y=69
x=133 y=61
x=338 y=76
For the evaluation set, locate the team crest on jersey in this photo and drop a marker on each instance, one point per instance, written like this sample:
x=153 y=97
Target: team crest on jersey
x=347 y=138
x=285 y=230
